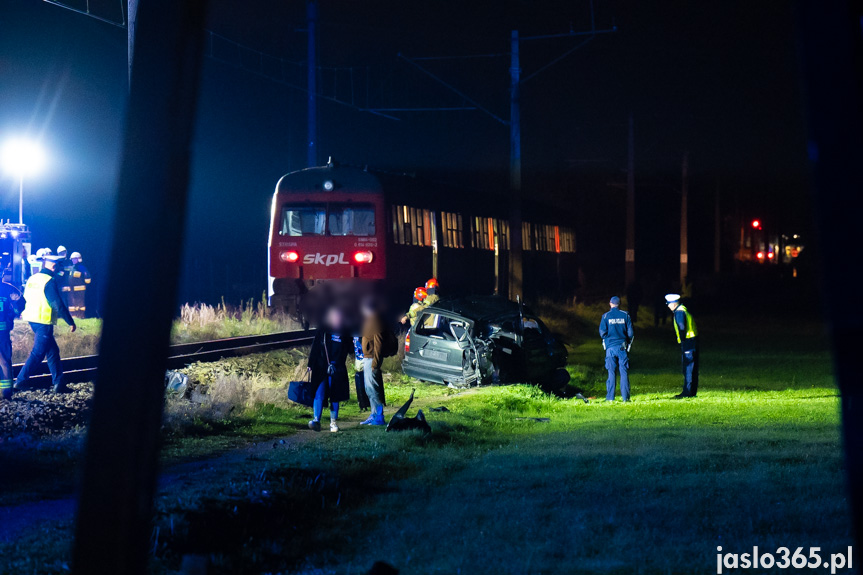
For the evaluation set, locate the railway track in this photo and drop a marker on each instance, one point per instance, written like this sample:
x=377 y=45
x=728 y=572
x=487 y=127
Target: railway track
x=81 y=369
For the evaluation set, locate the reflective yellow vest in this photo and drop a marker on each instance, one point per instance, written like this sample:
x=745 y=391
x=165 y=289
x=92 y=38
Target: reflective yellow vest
x=431 y=299
x=691 y=330
x=37 y=308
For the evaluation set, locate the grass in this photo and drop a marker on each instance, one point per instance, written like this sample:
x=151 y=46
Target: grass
x=653 y=486
x=198 y=322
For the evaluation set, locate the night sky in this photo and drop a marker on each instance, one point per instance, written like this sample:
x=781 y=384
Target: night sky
x=716 y=79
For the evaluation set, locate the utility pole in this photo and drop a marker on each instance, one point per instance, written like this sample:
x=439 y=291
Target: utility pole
x=717 y=232
x=132 y=13
x=515 y=246
x=312 y=88
x=630 y=205
x=684 y=223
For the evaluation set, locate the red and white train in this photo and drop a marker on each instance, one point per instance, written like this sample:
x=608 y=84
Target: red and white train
x=344 y=223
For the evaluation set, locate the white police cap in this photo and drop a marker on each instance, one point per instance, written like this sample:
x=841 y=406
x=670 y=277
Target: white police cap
x=672 y=297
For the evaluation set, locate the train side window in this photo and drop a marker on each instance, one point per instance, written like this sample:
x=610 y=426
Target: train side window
x=452 y=230
x=526 y=237
x=352 y=220
x=303 y=221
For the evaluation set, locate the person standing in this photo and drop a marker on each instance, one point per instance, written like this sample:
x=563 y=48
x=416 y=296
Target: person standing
x=77 y=281
x=615 y=329
x=42 y=309
x=327 y=358
x=373 y=356
x=11 y=305
x=687 y=337
x=420 y=295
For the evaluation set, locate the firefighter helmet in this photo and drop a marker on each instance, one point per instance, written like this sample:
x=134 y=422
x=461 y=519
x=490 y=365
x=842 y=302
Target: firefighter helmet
x=432 y=284
x=76 y=255
x=62 y=251
x=420 y=293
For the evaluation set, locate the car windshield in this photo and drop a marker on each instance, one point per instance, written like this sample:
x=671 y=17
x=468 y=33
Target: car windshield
x=303 y=220
x=351 y=220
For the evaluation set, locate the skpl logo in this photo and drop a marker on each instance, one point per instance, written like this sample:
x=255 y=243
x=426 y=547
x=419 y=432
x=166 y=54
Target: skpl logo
x=325 y=259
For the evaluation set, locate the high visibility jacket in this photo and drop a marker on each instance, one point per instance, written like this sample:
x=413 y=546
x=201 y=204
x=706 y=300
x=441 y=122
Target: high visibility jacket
x=431 y=299
x=414 y=311
x=37 y=308
x=691 y=329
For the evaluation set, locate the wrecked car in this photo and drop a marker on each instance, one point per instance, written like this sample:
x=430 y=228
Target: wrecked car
x=481 y=340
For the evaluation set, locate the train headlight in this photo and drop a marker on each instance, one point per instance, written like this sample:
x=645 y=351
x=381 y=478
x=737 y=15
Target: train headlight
x=289 y=257
x=328 y=186
x=363 y=257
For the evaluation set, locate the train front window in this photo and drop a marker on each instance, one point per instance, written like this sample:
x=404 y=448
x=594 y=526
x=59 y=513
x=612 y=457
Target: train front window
x=303 y=221
x=351 y=220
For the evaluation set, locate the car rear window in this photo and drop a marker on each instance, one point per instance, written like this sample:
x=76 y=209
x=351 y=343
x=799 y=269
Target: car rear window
x=434 y=325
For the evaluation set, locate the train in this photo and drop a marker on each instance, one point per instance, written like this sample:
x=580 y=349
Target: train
x=348 y=225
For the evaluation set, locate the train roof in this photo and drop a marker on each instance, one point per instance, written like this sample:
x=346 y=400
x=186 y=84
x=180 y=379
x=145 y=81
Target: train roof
x=342 y=179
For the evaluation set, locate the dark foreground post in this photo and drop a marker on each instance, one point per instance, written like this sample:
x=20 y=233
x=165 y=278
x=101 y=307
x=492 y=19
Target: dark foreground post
x=833 y=67
x=113 y=524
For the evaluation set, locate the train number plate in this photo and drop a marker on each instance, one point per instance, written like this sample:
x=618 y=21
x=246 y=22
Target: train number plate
x=433 y=354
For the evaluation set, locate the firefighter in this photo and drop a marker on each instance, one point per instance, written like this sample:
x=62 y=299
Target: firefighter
x=43 y=306
x=617 y=334
x=77 y=281
x=431 y=289
x=11 y=305
x=420 y=295
x=684 y=324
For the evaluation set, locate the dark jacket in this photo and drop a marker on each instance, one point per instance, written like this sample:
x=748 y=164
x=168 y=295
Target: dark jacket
x=615 y=328
x=11 y=305
x=373 y=340
x=338 y=346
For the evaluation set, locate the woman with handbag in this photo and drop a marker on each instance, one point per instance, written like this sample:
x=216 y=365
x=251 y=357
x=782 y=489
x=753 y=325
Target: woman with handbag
x=328 y=370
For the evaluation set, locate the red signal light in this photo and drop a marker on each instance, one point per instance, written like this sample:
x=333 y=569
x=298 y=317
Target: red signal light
x=363 y=257
x=289 y=257
x=408 y=342
x=756 y=224
x=770 y=255
x=760 y=255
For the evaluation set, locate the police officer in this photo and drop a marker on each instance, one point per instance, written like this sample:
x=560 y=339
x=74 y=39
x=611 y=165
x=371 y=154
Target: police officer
x=617 y=334
x=42 y=309
x=431 y=289
x=685 y=325
x=420 y=295
x=11 y=305
x=77 y=281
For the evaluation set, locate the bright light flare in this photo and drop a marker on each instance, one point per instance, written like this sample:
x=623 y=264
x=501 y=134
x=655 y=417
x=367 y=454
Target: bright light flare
x=363 y=257
x=756 y=224
x=769 y=255
x=290 y=257
x=760 y=255
x=22 y=157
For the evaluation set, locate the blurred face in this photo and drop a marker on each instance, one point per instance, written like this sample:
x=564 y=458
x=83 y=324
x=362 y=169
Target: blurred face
x=674 y=305
x=48 y=264
x=76 y=260
x=333 y=318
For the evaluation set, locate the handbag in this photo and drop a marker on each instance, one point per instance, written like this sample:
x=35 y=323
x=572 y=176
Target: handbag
x=301 y=391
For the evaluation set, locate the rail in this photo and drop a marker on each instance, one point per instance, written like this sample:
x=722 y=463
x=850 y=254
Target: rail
x=81 y=369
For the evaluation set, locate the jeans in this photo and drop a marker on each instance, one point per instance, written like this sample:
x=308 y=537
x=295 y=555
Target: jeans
x=318 y=404
x=689 y=363
x=374 y=386
x=5 y=364
x=616 y=357
x=44 y=346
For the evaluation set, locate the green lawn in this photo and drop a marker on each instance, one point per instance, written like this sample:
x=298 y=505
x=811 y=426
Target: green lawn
x=653 y=486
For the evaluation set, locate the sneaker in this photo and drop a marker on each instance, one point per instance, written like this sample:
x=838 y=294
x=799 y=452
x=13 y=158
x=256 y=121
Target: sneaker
x=369 y=421
x=334 y=426
x=315 y=425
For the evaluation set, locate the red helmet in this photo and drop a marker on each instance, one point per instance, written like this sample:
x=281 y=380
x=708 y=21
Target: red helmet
x=420 y=293
x=432 y=284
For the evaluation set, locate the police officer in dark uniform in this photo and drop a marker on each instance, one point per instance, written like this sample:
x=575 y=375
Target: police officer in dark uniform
x=617 y=334
x=687 y=337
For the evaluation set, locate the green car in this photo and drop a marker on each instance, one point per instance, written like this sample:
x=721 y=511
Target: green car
x=481 y=340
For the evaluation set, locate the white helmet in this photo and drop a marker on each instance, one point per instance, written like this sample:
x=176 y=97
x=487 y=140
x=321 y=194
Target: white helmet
x=76 y=255
x=42 y=252
x=61 y=251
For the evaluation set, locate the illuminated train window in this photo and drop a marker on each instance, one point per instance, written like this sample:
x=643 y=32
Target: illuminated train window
x=452 y=230
x=412 y=226
x=351 y=220
x=303 y=220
